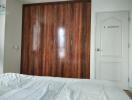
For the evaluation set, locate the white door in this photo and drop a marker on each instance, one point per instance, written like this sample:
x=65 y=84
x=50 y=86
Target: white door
x=112 y=47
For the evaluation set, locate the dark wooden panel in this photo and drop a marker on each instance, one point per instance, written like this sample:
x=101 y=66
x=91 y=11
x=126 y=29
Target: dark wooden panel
x=56 y=39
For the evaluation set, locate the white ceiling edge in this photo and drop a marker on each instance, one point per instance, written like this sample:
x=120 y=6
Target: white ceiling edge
x=39 y=1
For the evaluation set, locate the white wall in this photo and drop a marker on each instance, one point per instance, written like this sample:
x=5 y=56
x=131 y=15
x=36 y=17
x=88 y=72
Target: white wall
x=110 y=5
x=13 y=29
x=2 y=31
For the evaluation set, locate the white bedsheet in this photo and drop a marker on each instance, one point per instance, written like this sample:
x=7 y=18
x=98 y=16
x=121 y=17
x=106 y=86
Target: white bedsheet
x=23 y=87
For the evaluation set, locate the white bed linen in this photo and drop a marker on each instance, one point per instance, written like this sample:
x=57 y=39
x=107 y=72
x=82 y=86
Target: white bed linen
x=23 y=87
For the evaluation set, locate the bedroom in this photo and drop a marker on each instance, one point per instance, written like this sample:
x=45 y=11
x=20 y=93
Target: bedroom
x=11 y=30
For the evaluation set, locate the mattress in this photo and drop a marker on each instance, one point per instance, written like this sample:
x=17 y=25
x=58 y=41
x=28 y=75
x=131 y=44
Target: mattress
x=24 y=87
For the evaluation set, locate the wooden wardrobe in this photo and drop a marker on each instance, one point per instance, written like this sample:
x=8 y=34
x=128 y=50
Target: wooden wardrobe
x=56 y=39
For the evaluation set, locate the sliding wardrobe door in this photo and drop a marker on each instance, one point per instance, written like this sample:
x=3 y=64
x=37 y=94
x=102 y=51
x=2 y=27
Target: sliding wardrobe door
x=56 y=39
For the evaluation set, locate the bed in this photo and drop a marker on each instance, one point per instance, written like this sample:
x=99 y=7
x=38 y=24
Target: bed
x=25 y=87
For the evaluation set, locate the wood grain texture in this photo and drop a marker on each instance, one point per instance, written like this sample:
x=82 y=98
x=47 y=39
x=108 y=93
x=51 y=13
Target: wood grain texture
x=56 y=39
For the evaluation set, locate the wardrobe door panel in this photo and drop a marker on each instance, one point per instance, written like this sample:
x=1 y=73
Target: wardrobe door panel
x=26 y=61
x=49 y=55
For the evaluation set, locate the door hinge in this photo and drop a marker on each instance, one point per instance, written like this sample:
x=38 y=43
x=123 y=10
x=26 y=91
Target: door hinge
x=129 y=19
x=128 y=80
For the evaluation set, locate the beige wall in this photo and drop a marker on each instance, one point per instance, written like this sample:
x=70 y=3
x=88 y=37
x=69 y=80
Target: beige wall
x=105 y=6
x=13 y=26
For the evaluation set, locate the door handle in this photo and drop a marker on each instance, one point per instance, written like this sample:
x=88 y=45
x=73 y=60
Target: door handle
x=98 y=50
